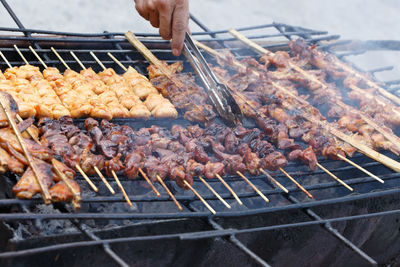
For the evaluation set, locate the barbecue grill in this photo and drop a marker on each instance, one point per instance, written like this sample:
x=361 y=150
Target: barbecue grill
x=337 y=227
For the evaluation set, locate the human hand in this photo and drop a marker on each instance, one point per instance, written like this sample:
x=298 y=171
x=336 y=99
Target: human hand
x=170 y=16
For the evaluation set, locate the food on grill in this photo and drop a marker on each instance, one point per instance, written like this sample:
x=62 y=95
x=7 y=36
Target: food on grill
x=33 y=93
x=262 y=86
x=183 y=92
x=104 y=95
x=179 y=154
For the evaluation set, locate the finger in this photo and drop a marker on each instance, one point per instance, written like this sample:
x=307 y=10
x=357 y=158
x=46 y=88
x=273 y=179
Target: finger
x=141 y=9
x=165 y=10
x=154 y=19
x=180 y=23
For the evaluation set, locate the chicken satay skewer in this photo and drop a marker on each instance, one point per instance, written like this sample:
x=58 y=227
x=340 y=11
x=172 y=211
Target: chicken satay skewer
x=5 y=60
x=253 y=186
x=104 y=180
x=274 y=181
x=169 y=192
x=214 y=192
x=77 y=60
x=296 y=183
x=334 y=176
x=144 y=175
x=60 y=58
x=394 y=165
x=200 y=197
x=77 y=166
x=121 y=188
x=97 y=60
x=20 y=54
x=117 y=61
x=394 y=139
x=361 y=168
x=229 y=189
x=45 y=193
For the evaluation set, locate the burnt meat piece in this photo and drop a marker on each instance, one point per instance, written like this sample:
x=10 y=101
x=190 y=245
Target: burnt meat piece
x=213 y=168
x=133 y=162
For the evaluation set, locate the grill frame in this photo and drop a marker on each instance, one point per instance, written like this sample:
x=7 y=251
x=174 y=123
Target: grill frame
x=120 y=49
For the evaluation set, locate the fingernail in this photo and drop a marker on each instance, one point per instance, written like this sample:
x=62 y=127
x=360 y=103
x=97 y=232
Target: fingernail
x=175 y=52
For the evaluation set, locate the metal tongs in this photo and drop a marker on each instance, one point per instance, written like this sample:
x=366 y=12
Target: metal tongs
x=219 y=94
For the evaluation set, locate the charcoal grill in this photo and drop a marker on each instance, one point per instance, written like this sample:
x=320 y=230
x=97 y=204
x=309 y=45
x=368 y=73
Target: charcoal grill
x=335 y=228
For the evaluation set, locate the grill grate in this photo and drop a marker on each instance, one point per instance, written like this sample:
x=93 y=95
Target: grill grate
x=220 y=226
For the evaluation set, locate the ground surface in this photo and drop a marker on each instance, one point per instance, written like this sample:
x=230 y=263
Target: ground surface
x=352 y=19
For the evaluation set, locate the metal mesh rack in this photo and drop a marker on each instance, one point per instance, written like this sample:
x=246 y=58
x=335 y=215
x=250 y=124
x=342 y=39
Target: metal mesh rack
x=105 y=223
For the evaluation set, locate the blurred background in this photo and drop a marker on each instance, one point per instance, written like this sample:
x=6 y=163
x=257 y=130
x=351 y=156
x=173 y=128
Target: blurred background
x=352 y=19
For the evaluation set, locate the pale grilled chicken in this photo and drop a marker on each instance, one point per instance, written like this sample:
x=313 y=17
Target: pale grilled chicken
x=140 y=85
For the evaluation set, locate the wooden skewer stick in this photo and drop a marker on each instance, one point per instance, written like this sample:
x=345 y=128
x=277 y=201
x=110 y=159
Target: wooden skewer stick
x=77 y=195
x=214 y=192
x=361 y=168
x=200 y=197
x=121 y=188
x=334 y=177
x=37 y=56
x=60 y=58
x=5 y=60
x=21 y=55
x=151 y=58
x=117 y=61
x=394 y=165
x=45 y=193
x=296 y=183
x=97 y=60
x=169 y=192
x=104 y=180
x=274 y=181
x=253 y=186
x=77 y=60
x=149 y=182
x=92 y=185
x=229 y=189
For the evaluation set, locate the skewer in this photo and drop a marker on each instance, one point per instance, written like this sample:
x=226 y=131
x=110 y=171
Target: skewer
x=361 y=168
x=37 y=56
x=200 y=197
x=334 y=177
x=77 y=60
x=77 y=195
x=5 y=60
x=214 y=192
x=104 y=180
x=253 y=186
x=149 y=182
x=229 y=189
x=296 y=183
x=394 y=165
x=117 y=61
x=92 y=185
x=169 y=192
x=45 y=193
x=121 y=188
x=97 y=60
x=274 y=181
x=60 y=58
x=21 y=55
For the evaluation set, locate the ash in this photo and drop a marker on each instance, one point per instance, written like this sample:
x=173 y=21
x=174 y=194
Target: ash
x=31 y=229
